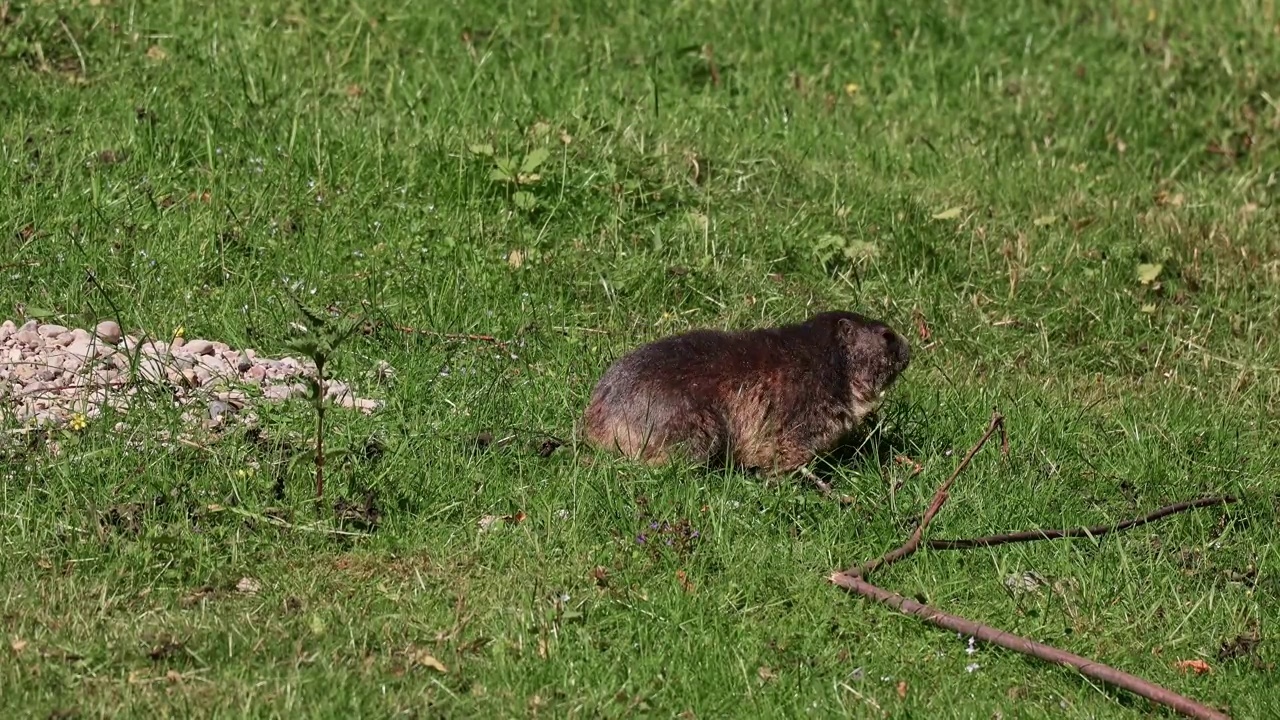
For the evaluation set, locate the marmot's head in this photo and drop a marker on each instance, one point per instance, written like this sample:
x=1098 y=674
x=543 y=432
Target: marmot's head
x=875 y=354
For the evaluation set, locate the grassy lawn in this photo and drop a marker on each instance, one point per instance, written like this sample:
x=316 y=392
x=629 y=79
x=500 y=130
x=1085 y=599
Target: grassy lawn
x=1070 y=209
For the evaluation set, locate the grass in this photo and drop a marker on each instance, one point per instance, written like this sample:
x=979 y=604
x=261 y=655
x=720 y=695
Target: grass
x=1001 y=175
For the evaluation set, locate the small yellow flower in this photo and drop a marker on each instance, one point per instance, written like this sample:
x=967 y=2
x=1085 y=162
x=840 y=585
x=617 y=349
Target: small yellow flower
x=851 y=89
x=78 y=422
x=178 y=331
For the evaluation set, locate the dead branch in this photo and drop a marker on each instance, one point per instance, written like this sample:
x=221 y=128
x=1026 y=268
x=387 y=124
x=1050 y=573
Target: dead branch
x=854 y=580
x=1095 y=531
x=910 y=546
x=986 y=633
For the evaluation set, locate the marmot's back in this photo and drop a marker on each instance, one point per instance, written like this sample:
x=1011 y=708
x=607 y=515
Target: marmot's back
x=769 y=398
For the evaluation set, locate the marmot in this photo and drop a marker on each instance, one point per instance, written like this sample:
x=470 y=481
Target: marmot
x=769 y=399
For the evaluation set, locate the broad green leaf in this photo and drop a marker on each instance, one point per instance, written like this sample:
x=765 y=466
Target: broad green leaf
x=482 y=149
x=525 y=200
x=534 y=159
x=948 y=214
x=1045 y=220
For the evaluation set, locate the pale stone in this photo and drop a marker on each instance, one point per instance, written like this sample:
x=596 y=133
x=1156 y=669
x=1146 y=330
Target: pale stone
x=109 y=331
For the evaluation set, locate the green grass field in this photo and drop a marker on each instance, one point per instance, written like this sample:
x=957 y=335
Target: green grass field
x=1077 y=200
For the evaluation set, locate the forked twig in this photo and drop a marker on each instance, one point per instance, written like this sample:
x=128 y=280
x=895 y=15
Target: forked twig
x=911 y=545
x=1095 y=531
x=855 y=581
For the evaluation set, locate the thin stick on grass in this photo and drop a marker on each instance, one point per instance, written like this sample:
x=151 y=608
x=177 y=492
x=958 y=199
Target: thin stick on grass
x=854 y=580
x=913 y=544
x=1095 y=531
x=986 y=633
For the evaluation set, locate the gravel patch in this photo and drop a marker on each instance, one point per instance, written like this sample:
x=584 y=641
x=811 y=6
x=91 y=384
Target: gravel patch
x=54 y=375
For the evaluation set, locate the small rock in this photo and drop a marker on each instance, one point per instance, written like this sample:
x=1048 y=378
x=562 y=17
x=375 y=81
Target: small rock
x=52 y=330
x=7 y=329
x=217 y=409
x=80 y=349
x=177 y=344
x=255 y=374
x=275 y=392
x=366 y=405
x=29 y=325
x=199 y=347
x=151 y=370
x=108 y=331
x=243 y=362
x=160 y=351
x=30 y=338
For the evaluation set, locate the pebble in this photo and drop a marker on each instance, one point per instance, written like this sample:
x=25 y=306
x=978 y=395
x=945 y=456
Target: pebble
x=217 y=409
x=108 y=331
x=51 y=330
x=198 y=347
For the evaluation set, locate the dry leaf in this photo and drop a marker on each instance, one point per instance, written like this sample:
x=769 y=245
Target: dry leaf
x=916 y=467
x=683 y=579
x=173 y=676
x=248 y=586
x=18 y=645
x=766 y=674
x=515 y=259
x=948 y=214
x=488 y=521
x=601 y=576
x=922 y=326
x=1199 y=666
x=902 y=689
x=425 y=659
x=157 y=53
x=1148 y=272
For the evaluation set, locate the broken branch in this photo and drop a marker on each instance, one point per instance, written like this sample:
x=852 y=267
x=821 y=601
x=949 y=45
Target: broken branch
x=1095 y=531
x=911 y=545
x=854 y=580
x=986 y=633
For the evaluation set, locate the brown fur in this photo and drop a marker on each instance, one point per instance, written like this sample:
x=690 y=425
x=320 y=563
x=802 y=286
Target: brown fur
x=770 y=399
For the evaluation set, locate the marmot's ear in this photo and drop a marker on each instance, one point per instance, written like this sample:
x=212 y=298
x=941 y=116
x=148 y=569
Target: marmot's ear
x=846 y=329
